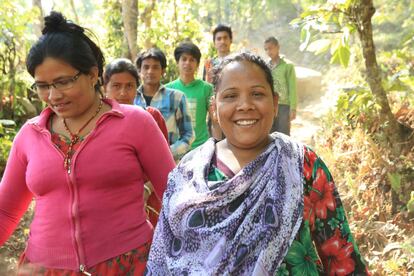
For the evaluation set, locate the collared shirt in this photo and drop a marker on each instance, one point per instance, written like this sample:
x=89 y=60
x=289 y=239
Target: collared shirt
x=284 y=82
x=173 y=106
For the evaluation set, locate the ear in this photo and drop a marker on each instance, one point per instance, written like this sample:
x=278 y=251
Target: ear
x=94 y=74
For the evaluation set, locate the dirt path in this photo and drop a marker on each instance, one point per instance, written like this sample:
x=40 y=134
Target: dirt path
x=310 y=113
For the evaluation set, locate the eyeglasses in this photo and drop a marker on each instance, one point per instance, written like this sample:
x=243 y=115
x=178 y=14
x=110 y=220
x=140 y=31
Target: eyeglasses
x=63 y=84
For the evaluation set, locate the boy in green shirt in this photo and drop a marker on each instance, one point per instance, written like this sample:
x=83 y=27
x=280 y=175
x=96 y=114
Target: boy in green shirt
x=284 y=81
x=198 y=92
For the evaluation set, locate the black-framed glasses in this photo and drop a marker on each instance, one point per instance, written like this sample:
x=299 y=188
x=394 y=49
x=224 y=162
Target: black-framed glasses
x=62 y=84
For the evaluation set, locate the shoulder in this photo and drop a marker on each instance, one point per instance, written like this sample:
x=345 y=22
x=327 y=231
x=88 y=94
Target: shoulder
x=283 y=141
x=199 y=155
x=289 y=64
x=133 y=112
x=207 y=85
x=202 y=84
x=288 y=150
x=153 y=111
x=172 y=84
x=173 y=91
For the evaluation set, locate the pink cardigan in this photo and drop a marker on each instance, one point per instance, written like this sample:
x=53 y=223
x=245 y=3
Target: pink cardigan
x=96 y=211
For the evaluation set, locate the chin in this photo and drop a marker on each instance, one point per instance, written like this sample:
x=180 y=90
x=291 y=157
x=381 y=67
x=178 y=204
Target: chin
x=252 y=143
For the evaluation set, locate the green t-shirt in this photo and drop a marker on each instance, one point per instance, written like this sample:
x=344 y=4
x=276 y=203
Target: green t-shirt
x=198 y=94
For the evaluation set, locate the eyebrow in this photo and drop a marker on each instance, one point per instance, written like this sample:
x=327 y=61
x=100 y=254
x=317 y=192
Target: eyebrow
x=55 y=80
x=118 y=82
x=235 y=88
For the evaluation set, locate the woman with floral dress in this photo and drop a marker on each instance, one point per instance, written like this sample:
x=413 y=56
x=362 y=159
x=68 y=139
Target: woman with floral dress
x=254 y=203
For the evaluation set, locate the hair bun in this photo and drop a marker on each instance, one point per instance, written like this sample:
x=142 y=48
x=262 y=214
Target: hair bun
x=56 y=22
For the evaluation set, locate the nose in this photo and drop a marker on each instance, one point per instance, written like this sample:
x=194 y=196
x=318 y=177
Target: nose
x=123 y=90
x=245 y=104
x=54 y=94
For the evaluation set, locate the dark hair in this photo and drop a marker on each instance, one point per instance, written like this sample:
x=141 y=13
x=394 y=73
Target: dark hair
x=153 y=53
x=240 y=57
x=187 y=47
x=273 y=40
x=222 y=28
x=62 y=39
x=120 y=65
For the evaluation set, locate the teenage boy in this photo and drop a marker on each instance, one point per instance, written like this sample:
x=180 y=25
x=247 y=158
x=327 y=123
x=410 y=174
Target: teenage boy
x=222 y=38
x=151 y=65
x=197 y=92
x=284 y=81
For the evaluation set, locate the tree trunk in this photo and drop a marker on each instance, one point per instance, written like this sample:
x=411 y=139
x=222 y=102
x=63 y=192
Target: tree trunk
x=146 y=17
x=38 y=27
x=130 y=19
x=362 y=11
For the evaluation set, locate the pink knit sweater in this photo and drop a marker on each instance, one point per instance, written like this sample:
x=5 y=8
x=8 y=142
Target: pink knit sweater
x=96 y=211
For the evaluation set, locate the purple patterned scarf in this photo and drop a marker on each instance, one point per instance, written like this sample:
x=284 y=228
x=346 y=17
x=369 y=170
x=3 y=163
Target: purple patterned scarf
x=245 y=226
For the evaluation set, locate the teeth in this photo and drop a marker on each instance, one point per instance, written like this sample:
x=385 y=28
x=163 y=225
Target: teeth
x=246 y=122
x=59 y=105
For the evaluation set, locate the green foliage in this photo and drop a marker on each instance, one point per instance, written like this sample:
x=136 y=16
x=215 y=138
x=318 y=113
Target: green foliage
x=410 y=205
x=357 y=107
x=6 y=137
x=16 y=37
x=399 y=73
x=327 y=27
x=174 y=24
x=114 y=45
x=395 y=180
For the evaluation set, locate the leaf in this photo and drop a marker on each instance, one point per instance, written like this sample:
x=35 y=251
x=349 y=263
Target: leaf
x=395 y=180
x=296 y=254
x=301 y=269
x=305 y=236
x=319 y=46
x=305 y=37
x=410 y=203
x=344 y=55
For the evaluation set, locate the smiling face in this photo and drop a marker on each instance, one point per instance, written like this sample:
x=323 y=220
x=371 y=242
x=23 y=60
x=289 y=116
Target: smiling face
x=74 y=102
x=121 y=87
x=245 y=105
x=187 y=66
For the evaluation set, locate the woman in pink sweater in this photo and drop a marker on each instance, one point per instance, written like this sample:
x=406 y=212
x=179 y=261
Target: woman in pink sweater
x=84 y=160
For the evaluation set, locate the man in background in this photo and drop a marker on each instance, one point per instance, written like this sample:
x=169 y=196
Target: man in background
x=284 y=81
x=172 y=104
x=222 y=38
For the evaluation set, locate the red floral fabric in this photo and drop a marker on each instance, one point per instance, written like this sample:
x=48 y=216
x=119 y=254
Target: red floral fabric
x=324 y=244
x=132 y=263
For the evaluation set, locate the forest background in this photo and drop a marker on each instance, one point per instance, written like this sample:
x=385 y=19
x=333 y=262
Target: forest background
x=363 y=49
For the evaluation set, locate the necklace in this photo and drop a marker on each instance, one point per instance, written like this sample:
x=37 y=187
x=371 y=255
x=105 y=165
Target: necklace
x=74 y=138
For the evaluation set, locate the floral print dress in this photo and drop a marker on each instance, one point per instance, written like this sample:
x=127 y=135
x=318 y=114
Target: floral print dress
x=324 y=244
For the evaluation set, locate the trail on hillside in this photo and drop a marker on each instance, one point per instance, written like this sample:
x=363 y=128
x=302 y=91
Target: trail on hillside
x=311 y=109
